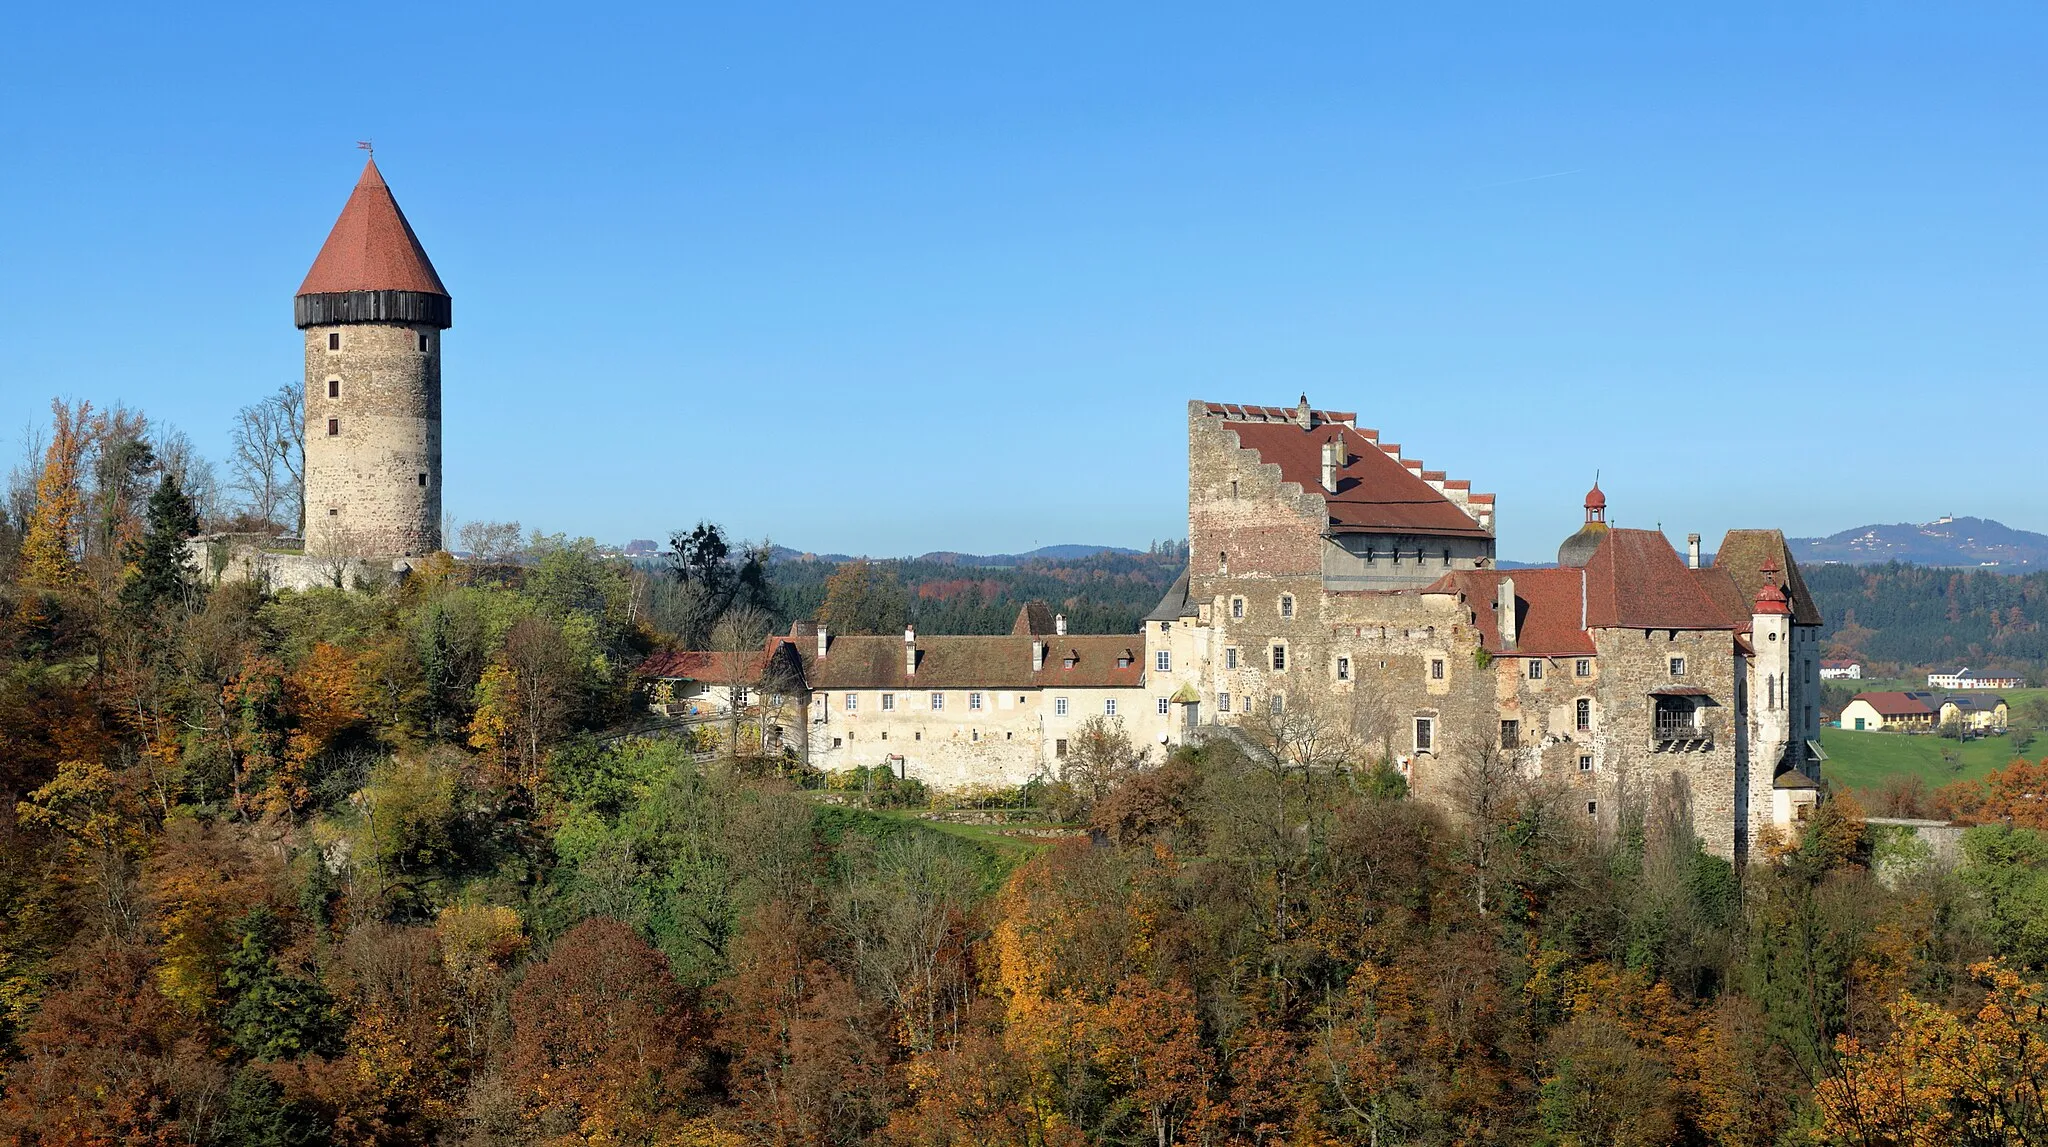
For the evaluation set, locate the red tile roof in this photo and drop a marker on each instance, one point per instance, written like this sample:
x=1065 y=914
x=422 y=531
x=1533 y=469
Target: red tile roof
x=1547 y=609
x=1895 y=704
x=977 y=662
x=1635 y=580
x=372 y=247
x=1375 y=490
x=699 y=665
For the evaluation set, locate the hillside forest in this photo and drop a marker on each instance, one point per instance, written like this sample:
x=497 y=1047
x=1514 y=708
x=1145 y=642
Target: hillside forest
x=379 y=867
x=1900 y=620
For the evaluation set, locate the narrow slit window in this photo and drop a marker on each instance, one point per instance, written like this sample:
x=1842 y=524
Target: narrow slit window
x=425 y=346
x=334 y=388
x=334 y=340
x=333 y=427
x=423 y=479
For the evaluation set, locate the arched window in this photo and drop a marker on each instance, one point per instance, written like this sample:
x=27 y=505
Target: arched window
x=1223 y=561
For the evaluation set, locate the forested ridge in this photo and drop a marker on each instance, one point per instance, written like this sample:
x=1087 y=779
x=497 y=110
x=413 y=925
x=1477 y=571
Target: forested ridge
x=1904 y=618
x=378 y=867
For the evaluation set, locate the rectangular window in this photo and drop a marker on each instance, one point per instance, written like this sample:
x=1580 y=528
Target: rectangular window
x=836 y=742
x=1286 y=605
x=938 y=702
x=1535 y=670
x=1585 y=715
x=1592 y=808
x=1109 y=707
x=1237 y=608
x=334 y=341
x=1425 y=734
x=334 y=388
x=1277 y=703
x=1163 y=661
x=1510 y=734
x=1223 y=702
x=1585 y=762
x=423 y=344
x=1678 y=667
x=423 y=480
x=974 y=702
x=1230 y=658
x=1583 y=667
x=739 y=696
x=1059 y=706
x=1279 y=659
x=1164 y=706
x=1059 y=747
x=1343 y=669
x=853 y=702
x=888 y=702
x=333 y=427
x=1436 y=669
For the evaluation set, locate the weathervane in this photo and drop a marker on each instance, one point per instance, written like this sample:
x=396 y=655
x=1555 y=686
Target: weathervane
x=366 y=145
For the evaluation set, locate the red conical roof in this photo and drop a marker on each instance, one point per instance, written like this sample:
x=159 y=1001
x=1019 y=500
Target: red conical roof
x=372 y=247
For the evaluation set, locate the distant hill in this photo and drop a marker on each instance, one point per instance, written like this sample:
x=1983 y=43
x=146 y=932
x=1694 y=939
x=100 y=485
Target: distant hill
x=1061 y=553
x=1944 y=542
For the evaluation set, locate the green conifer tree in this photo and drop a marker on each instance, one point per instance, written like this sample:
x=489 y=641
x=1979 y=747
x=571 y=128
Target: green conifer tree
x=160 y=570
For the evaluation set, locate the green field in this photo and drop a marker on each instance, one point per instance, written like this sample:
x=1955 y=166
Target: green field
x=1867 y=760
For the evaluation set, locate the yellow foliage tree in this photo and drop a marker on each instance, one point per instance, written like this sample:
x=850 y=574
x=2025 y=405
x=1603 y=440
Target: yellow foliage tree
x=1942 y=1078
x=49 y=546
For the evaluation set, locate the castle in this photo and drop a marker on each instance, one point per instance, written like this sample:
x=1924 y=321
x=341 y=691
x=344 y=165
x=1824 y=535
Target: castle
x=1336 y=588
x=1339 y=589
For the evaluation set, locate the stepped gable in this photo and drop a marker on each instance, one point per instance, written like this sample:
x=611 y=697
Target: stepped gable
x=1549 y=607
x=978 y=661
x=1744 y=553
x=372 y=247
x=1635 y=580
x=1377 y=490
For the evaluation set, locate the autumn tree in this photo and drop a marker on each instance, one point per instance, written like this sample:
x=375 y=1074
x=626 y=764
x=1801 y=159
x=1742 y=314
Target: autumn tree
x=1941 y=1077
x=806 y=1068
x=525 y=699
x=863 y=599
x=51 y=543
x=604 y=1042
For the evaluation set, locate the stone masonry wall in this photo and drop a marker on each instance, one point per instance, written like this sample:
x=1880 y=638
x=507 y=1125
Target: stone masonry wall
x=373 y=489
x=1632 y=662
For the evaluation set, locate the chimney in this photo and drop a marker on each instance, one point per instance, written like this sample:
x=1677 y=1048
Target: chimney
x=1037 y=656
x=1504 y=610
x=1692 y=551
x=824 y=642
x=1059 y=624
x=1303 y=417
x=1333 y=457
x=910 y=651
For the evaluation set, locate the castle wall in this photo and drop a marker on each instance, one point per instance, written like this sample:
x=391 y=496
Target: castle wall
x=373 y=488
x=1016 y=734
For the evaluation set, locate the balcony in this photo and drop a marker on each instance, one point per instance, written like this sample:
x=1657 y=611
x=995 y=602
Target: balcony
x=1678 y=732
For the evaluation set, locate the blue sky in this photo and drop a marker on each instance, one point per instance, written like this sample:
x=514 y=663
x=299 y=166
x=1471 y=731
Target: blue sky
x=889 y=278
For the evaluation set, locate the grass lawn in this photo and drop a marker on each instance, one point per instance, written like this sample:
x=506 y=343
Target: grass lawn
x=1865 y=760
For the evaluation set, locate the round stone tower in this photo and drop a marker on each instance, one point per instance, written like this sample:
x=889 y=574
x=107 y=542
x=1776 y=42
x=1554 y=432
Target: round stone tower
x=373 y=311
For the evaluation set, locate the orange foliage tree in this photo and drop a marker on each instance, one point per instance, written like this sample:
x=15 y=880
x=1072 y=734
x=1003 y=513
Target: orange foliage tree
x=605 y=1044
x=1942 y=1078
